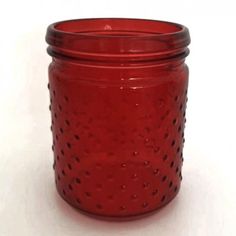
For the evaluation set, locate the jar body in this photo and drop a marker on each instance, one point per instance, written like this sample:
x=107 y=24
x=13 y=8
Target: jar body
x=118 y=134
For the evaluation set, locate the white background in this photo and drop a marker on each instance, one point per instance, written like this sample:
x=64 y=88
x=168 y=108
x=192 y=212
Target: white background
x=206 y=204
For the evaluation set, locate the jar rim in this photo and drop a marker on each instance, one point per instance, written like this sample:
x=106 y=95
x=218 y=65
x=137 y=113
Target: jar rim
x=116 y=37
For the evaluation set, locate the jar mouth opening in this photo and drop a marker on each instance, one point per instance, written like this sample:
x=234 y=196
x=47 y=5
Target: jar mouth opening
x=116 y=38
x=117 y=27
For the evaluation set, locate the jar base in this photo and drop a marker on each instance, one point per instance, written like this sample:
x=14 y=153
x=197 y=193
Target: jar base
x=118 y=218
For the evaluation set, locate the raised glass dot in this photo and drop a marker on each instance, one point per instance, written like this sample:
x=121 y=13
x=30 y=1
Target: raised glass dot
x=110 y=197
x=145 y=205
x=54 y=165
x=98 y=166
x=146 y=185
x=146 y=163
x=111 y=154
x=176 y=98
x=123 y=186
x=155 y=192
x=156 y=150
x=66 y=98
x=165 y=157
x=88 y=194
x=135 y=153
x=99 y=206
x=123 y=165
x=173 y=143
x=146 y=140
x=110 y=177
x=179 y=128
x=174 y=121
x=164 y=178
x=99 y=187
x=70 y=187
x=147 y=129
x=156 y=172
x=163 y=198
x=134 y=176
x=177 y=169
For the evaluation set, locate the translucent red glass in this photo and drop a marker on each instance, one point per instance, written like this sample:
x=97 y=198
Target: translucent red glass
x=118 y=97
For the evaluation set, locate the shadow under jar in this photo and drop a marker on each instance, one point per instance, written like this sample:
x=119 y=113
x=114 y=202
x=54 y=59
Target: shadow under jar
x=118 y=96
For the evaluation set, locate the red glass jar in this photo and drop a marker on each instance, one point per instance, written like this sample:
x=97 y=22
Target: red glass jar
x=118 y=97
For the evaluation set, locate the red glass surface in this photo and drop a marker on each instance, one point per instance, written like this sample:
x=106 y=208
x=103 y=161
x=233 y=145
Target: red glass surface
x=118 y=97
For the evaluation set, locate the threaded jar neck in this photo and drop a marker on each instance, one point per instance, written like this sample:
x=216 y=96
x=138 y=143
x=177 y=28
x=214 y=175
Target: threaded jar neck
x=117 y=40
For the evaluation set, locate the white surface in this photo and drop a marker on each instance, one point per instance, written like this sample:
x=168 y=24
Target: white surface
x=29 y=204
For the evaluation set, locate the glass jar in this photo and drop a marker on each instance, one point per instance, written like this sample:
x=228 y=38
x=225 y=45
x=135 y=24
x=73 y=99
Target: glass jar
x=118 y=97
